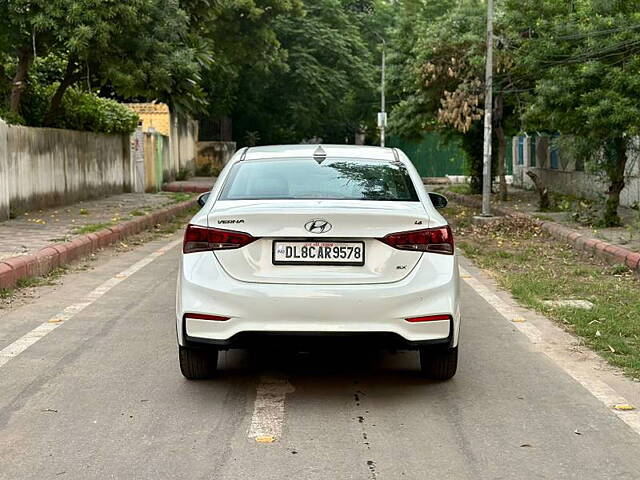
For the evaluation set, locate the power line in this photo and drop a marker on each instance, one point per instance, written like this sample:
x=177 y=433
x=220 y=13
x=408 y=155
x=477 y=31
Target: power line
x=577 y=36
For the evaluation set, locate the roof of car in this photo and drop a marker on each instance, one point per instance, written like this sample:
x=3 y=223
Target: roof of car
x=307 y=150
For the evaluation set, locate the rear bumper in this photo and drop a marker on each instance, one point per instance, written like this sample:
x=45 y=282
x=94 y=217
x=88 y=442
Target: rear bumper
x=370 y=314
x=314 y=340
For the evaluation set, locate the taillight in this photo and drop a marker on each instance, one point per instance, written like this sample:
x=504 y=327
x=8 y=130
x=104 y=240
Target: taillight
x=435 y=240
x=202 y=239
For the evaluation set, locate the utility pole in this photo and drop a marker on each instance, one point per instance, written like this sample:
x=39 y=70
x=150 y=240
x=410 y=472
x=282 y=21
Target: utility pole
x=382 y=116
x=488 y=107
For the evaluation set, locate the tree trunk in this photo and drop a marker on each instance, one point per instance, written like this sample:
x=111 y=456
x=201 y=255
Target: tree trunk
x=616 y=158
x=68 y=79
x=20 y=78
x=543 y=192
x=502 y=145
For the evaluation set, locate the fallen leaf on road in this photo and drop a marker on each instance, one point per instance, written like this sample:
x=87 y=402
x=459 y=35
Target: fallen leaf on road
x=526 y=445
x=623 y=406
x=577 y=432
x=265 y=439
x=518 y=320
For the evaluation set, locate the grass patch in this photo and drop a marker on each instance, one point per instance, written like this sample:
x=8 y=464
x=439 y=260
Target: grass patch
x=183 y=174
x=178 y=197
x=543 y=217
x=137 y=213
x=50 y=278
x=462 y=189
x=59 y=239
x=5 y=293
x=534 y=268
x=177 y=223
x=28 y=282
x=91 y=227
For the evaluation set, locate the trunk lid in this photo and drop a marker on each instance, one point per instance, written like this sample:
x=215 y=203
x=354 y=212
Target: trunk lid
x=350 y=220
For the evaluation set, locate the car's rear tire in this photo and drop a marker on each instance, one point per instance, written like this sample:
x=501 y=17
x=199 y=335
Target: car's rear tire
x=439 y=363
x=198 y=364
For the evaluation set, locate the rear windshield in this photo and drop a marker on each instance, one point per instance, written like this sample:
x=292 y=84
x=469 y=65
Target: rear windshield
x=305 y=178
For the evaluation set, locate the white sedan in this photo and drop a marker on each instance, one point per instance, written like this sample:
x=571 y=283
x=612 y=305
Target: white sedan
x=306 y=244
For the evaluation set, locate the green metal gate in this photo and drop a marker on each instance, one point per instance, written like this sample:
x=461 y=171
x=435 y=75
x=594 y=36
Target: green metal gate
x=431 y=156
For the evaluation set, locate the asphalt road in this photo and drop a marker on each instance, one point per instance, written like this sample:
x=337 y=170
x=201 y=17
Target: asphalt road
x=101 y=396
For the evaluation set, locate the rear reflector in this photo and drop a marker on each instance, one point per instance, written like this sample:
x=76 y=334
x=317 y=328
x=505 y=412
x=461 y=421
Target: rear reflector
x=203 y=239
x=428 y=318
x=435 y=240
x=202 y=316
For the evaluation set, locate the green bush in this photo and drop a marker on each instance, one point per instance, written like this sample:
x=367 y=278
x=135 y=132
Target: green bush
x=10 y=117
x=87 y=111
x=81 y=110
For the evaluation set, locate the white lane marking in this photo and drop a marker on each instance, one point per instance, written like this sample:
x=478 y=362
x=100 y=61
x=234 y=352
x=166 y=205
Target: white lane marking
x=584 y=376
x=24 y=342
x=268 y=411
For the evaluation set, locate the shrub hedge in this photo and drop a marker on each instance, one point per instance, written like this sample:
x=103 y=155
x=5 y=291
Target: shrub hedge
x=81 y=110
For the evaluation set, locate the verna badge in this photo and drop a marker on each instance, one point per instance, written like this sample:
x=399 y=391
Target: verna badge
x=317 y=226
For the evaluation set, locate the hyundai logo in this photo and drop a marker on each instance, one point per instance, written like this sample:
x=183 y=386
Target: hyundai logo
x=317 y=226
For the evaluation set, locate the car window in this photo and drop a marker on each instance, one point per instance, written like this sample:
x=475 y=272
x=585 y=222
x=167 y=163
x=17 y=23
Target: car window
x=305 y=178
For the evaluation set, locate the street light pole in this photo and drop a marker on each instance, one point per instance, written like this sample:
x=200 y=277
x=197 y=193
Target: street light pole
x=488 y=107
x=382 y=118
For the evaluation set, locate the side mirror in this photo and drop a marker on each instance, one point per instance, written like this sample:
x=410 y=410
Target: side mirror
x=202 y=198
x=439 y=201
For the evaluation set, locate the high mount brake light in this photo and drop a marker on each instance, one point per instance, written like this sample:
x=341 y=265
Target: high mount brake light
x=202 y=239
x=434 y=240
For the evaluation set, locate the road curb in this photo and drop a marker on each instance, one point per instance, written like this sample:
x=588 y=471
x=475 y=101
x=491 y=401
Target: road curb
x=614 y=254
x=186 y=186
x=52 y=256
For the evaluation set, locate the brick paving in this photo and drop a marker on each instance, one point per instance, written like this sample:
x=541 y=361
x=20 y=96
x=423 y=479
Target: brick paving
x=627 y=236
x=580 y=241
x=32 y=231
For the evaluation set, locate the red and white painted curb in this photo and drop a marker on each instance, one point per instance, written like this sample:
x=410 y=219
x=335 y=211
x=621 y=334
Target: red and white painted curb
x=187 y=186
x=52 y=256
x=611 y=253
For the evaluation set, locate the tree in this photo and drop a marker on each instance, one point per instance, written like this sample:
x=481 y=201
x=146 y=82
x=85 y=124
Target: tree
x=242 y=41
x=138 y=48
x=315 y=91
x=439 y=69
x=587 y=55
x=20 y=22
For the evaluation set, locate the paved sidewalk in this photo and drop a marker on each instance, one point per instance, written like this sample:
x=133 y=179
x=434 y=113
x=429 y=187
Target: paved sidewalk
x=580 y=240
x=32 y=231
x=526 y=201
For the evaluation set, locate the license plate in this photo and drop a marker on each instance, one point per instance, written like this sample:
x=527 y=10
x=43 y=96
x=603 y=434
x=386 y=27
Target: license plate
x=318 y=253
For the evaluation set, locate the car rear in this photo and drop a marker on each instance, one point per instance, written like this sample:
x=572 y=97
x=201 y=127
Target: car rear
x=308 y=246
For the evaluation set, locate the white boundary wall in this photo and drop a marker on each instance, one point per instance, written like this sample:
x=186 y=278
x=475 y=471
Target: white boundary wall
x=4 y=173
x=46 y=167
